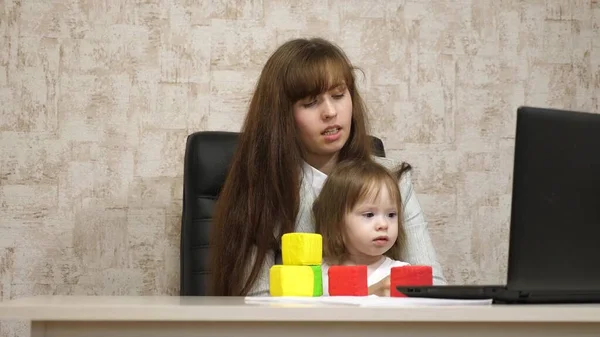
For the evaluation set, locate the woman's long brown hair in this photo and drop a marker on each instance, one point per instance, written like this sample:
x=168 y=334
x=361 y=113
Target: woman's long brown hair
x=259 y=200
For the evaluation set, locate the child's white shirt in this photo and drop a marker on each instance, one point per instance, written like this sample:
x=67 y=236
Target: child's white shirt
x=374 y=275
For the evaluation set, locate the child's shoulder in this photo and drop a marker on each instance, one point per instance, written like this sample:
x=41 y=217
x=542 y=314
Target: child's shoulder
x=391 y=263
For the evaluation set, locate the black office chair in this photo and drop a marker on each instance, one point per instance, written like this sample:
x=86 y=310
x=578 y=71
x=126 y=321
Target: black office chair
x=207 y=158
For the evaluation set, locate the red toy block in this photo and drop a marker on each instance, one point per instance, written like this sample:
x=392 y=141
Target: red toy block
x=348 y=281
x=409 y=276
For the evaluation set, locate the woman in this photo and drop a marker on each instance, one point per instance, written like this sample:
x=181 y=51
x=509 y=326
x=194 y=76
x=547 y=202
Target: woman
x=305 y=116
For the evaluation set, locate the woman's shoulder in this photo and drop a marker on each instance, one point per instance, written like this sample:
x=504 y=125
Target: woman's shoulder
x=394 y=164
x=386 y=162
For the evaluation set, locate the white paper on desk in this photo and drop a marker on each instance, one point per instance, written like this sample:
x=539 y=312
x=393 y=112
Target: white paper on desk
x=366 y=301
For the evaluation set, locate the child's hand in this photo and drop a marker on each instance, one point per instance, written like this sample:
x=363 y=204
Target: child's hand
x=381 y=288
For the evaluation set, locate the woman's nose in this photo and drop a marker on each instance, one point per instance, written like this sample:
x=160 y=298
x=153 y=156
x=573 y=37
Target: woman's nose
x=329 y=110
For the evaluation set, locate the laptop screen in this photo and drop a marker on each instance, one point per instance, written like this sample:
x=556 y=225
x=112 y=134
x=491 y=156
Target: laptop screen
x=555 y=215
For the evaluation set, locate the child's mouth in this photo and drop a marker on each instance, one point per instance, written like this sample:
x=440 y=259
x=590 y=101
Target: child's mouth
x=381 y=241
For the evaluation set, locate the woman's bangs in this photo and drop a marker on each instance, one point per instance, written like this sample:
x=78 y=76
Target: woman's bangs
x=313 y=76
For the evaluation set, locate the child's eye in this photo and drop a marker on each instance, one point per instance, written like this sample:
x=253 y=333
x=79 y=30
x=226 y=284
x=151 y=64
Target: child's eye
x=393 y=215
x=369 y=214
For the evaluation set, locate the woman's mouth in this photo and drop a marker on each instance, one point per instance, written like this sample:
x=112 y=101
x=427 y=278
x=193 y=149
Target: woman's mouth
x=330 y=131
x=332 y=134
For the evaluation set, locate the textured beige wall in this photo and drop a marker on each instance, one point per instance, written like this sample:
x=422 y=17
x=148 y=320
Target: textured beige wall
x=96 y=101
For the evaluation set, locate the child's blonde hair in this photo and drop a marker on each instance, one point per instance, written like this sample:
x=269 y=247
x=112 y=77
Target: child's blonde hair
x=349 y=183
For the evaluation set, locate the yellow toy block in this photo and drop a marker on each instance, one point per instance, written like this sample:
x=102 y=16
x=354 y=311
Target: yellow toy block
x=295 y=281
x=303 y=249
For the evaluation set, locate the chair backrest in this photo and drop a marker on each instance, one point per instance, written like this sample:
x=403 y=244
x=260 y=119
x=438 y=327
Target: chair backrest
x=207 y=158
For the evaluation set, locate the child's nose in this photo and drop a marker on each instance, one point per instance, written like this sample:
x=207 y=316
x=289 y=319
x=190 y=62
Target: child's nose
x=382 y=224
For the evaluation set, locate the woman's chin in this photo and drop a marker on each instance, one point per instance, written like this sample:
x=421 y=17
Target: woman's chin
x=332 y=147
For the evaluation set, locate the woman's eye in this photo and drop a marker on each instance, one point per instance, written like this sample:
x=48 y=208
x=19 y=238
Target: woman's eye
x=308 y=105
x=338 y=96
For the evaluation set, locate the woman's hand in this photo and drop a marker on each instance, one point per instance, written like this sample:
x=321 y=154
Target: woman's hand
x=381 y=288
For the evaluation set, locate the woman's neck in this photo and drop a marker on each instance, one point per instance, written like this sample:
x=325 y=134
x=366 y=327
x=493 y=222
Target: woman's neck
x=324 y=164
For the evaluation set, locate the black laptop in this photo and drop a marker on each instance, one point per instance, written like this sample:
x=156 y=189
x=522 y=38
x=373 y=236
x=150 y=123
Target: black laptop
x=554 y=245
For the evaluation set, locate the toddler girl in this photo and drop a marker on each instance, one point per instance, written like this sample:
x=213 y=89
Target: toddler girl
x=358 y=214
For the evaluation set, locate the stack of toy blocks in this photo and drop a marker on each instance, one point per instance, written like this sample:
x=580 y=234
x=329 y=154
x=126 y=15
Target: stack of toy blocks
x=300 y=274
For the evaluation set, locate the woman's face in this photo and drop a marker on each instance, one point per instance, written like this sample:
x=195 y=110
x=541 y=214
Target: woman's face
x=323 y=124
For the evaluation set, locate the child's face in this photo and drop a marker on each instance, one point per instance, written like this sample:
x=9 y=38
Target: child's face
x=371 y=228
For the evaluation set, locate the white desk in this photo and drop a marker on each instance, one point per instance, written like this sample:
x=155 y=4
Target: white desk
x=229 y=317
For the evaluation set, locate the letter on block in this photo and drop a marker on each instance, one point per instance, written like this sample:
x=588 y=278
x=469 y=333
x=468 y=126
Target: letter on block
x=348 y=281
x=296 y=281
x=409 y=276
x=301 y=249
